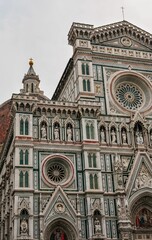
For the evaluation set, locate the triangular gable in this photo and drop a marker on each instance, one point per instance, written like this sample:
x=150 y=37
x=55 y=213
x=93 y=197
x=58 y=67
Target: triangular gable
x=125 y=42
x=140 y=175
x=115 y=33
x=138 y=118
x=59 y=206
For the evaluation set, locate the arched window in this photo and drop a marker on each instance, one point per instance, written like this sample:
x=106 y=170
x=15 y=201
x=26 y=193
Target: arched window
x=91 y=181
x=26 y=127
x=87 y=69
x=26 y=179
x=92 y=131
x=27 y=87
x=90 y=160
x=83 y=68
x=95 y=181
x=84 y=85
x=26 y=157
x=21 y=157
x=87 y=131
x=88 y=86
x=94 y=161
x=32 y=87
x=21 y=127
x=21 y=179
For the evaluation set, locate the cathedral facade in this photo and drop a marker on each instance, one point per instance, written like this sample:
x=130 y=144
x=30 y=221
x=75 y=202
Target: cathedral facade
x=79 y=166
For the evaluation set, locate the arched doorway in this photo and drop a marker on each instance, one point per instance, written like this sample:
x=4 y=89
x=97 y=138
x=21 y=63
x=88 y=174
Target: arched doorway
x=141 y=218
x=60 y=229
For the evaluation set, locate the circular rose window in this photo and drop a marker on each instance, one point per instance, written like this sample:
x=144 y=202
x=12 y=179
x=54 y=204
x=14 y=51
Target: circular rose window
x=131 y=91
x=129 y=96
x=57 y=170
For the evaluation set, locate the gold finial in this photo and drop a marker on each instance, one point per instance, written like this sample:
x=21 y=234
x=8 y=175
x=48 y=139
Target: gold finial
x=31 y=62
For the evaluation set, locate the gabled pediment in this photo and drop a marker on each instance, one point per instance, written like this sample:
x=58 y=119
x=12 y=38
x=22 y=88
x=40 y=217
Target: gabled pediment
x=59 y=206
x=122 y=34
x=140 y=175
x=125 y=42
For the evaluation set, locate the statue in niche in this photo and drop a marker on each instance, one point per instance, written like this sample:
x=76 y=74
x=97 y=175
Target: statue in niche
x=56 y=133
x=43 y=132
x=124 y=136
x=102 y=135
x=139 y=137
x=24 y=226
x=69 y=133
x=113 y=136
x=97 y=226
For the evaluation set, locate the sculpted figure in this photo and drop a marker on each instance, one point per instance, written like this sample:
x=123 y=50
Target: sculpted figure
x=43 y=132
x=24 y=226
x=69 y=134
x=56 y=133
x=124 y=137
x=139 y=137
x=113 y=136
x=102 y=136
x=97 y=226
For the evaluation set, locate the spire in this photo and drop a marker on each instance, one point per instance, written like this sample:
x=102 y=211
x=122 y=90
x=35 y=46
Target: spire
x=31 y=69
x=31 y=80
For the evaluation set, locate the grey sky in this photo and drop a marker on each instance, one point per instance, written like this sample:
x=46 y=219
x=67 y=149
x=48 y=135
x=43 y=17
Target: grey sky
x=39 y=28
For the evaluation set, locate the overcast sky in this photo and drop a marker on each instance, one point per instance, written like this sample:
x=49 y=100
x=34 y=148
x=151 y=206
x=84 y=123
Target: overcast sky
x=39 y=28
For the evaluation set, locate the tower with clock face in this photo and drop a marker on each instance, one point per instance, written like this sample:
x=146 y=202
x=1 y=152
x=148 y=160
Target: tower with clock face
x=79 y=166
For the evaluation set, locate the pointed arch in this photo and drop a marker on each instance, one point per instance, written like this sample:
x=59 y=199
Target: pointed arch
x=84 y=85
x=83 y=68
x=21 y=157
x=26 y=127
x=21 y=126
x=21 y=176
x=87 y=69
x=26 y=179
x=26 y=157
x=89 y=160
x=94 y=160
x=95 y=181
x=91 y=181
x=88 y=86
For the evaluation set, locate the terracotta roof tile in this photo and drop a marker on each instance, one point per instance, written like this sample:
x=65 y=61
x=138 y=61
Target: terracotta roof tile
x=5 y=119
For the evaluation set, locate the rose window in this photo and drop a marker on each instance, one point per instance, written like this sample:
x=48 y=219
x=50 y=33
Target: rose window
x=130 y=91
x=129 y=96
x=56 y=172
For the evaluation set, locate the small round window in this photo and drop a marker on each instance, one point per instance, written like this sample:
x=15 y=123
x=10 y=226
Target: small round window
x=57 y=170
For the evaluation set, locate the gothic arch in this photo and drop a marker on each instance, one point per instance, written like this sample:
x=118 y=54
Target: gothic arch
x=140 y=206
x=64 y=226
